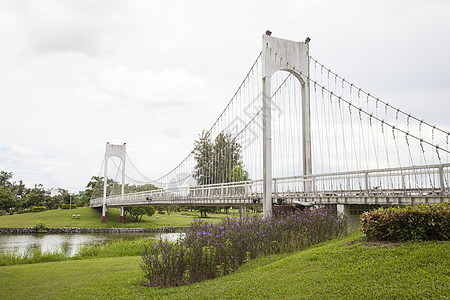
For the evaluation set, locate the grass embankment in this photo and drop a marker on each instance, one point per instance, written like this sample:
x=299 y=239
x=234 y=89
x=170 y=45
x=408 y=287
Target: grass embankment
x=346 y=268
x=90 y=218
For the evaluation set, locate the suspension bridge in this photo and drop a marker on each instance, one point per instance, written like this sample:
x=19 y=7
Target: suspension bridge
x=297 y=133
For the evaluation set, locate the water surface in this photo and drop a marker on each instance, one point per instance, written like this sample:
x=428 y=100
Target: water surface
x=69 y=243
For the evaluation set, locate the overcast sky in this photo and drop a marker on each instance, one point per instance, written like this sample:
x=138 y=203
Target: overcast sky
x=77 y=74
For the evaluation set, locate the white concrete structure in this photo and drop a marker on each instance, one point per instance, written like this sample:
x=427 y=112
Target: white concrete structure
x=293 y=57
x=120 y=152
x=53 y=192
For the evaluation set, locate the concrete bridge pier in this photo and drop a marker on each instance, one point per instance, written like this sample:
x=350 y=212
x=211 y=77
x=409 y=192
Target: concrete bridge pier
x=121 y=214
x=343 y=211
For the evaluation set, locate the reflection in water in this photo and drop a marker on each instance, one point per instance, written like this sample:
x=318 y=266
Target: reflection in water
x=69 y=243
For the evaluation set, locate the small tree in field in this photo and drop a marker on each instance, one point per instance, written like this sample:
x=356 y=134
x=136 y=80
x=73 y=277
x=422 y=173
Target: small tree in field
x=137 y=212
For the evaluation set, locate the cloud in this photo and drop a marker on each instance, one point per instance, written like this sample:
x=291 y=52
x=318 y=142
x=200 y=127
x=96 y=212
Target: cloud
x=68 y=27
x=149 y=88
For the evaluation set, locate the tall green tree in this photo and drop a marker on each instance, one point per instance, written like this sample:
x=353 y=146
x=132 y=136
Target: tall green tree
x=7 y=201
x=37 y=196
x=12 y=194
x=216 y=160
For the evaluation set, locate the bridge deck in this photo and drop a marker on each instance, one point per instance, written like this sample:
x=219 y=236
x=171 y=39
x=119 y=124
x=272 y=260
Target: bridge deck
x=398 y=186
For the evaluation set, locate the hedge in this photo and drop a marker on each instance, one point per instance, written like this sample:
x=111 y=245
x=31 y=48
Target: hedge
x=67 y=206
x=416 y=222
x=38 y=208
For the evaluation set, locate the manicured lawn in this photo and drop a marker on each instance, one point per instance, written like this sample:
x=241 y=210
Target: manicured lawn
x=90 y=218
x=346 y=268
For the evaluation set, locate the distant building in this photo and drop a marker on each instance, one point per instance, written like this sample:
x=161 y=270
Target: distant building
x=53 y=192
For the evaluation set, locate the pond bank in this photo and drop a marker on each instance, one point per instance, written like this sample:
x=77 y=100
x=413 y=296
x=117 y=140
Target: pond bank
x=70 y=230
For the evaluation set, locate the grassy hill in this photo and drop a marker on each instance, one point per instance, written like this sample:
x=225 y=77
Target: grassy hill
x=346 y=268
x=90 y=218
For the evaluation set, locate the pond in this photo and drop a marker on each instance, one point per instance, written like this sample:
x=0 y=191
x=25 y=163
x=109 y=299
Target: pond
x=69 y=243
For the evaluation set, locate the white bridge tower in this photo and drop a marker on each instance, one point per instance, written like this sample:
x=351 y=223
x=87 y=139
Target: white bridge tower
x=293 y=57
x=119 y=151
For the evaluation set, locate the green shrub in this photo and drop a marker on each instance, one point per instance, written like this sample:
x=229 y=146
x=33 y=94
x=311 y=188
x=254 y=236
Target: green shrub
x=161 y=212
x=416 y=222
x=20 y=211
x=40 y=228
x=38 y=208
x=2 y=212
x=68 y=206
x=11 y=212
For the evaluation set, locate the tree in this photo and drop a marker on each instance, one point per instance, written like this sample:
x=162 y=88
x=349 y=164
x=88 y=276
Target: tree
x=6 y=200
x=63 y=197
x=37 y=196
x=237 y=174
x=137 y=212
x=138 y=188
x=4 y=179
x=216 y=160
x=94 y=189
x=206 y=209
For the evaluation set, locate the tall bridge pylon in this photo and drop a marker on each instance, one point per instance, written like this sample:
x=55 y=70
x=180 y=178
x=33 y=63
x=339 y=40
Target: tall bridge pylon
x=119 y=151
x=284 y=55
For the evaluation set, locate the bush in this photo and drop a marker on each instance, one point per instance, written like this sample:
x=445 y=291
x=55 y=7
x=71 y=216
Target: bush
x=68 y=206
x=38 y=208
x=40 y=228
x=161 y=212
x=11 y=212
x=212 y=250
x=417 y=222
x=2 y=212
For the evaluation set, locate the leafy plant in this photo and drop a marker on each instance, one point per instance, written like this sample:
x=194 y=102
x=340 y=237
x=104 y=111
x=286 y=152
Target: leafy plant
x=68 y=206
x=38 y=208
x=40 y=228
x=137 y=212
x=416 y=222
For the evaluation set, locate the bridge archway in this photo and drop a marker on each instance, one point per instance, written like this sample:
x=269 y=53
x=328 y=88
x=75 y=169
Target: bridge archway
x=293 y=57
x=119 y=151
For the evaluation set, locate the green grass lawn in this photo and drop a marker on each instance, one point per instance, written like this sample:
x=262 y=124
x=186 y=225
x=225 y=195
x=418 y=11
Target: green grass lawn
x=90 y=218
x=346 y=268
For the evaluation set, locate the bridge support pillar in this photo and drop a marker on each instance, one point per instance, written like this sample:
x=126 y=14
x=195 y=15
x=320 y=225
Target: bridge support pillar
x=293 y=57
x=351 y=216
x=121 y=215
x=343 y=210
x=120 y=152
x=267 y=149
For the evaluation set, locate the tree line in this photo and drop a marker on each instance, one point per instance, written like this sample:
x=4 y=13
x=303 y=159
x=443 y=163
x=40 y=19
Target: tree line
x=16 y=197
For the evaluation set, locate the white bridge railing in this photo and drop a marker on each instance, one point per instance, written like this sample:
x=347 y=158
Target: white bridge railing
x=404 y=185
